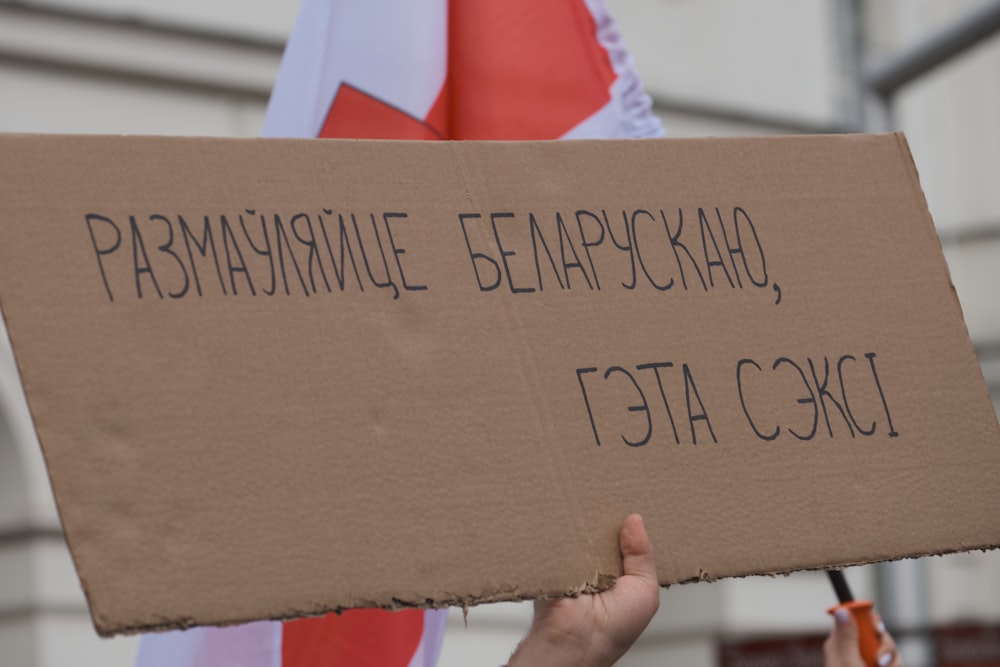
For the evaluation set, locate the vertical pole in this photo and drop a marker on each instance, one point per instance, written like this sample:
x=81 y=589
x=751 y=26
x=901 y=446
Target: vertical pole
x=904 y=603
x=864 y=108
x=902 y=586
x=902 y=598
x=850 y=59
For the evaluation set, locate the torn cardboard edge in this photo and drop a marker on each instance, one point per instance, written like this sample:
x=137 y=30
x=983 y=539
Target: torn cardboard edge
x=605 y=582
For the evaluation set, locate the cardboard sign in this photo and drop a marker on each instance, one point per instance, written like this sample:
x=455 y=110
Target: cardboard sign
x=275 y=378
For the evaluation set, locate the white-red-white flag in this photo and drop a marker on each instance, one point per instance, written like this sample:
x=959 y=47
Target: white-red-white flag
x=424 y=69
x=472 y=69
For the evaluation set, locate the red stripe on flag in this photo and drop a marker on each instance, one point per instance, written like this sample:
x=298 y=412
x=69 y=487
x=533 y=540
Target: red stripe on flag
x=521 y=69
x=357 y=637
x=354 y=114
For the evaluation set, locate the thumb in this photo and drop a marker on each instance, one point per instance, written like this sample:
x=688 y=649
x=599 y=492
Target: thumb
x=842 y=643
x=637 y=550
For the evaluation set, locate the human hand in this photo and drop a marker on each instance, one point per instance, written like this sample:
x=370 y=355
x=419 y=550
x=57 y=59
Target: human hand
x=596 y=630
x=841 y=646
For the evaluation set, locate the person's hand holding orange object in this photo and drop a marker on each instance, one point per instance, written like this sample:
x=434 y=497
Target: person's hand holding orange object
x=841 y=646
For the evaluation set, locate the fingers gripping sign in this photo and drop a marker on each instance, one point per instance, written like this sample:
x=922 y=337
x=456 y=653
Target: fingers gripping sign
x=596 y=630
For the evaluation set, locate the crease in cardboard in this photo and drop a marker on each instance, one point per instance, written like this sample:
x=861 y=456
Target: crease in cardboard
x=527 y=370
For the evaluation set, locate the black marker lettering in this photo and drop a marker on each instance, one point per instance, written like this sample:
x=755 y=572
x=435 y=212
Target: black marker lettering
x=689 y=388
x=659 y=383
x=310 y=243
x=739 y=388
x=168 y=250
x=388 y=282
x=733 y=250
x=587 y=245
x=825 y=394
x=536 y=236
x=870 y=356
x=638 y=255
x=98 y=251
x=233 y=249
x=504 y=254
x=397 y=252
x=266 y=252
x=675 y=244
x=340 y=268
x=737 y=213
x=138 y=247
x=643 y=407
x=281 y=242
x=207 y=242
x=843 y=394
x=566 y=242
x=478 y=256
x=706 y=235
x=625 y=248
x=586 y=401
x=801 y=401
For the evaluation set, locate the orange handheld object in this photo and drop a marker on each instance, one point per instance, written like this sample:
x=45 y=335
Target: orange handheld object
x=868 y=636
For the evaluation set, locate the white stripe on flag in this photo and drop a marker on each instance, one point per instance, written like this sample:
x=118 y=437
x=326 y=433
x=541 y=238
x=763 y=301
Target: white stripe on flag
x=395 y=50
x=251 y=645
x=432 y=638
x=629 y=114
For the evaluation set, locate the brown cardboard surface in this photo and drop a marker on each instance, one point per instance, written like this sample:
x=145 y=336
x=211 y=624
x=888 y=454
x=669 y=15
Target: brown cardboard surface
x=277 y=377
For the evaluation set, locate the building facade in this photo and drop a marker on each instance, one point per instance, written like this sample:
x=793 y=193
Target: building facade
x=713 y=67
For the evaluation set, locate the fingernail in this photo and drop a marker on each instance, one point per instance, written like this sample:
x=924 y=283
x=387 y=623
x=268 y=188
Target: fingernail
x=881 y=628
x=842 y=616
x=885 y=659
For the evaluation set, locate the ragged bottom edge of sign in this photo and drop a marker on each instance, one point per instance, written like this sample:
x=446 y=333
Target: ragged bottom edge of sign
x=600 y=582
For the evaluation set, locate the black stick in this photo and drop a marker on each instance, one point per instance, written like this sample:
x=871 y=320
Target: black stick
x=840 y=586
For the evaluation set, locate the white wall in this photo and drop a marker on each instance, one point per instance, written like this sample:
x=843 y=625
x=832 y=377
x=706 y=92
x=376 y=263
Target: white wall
x=772 y=59
x=715 y=67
